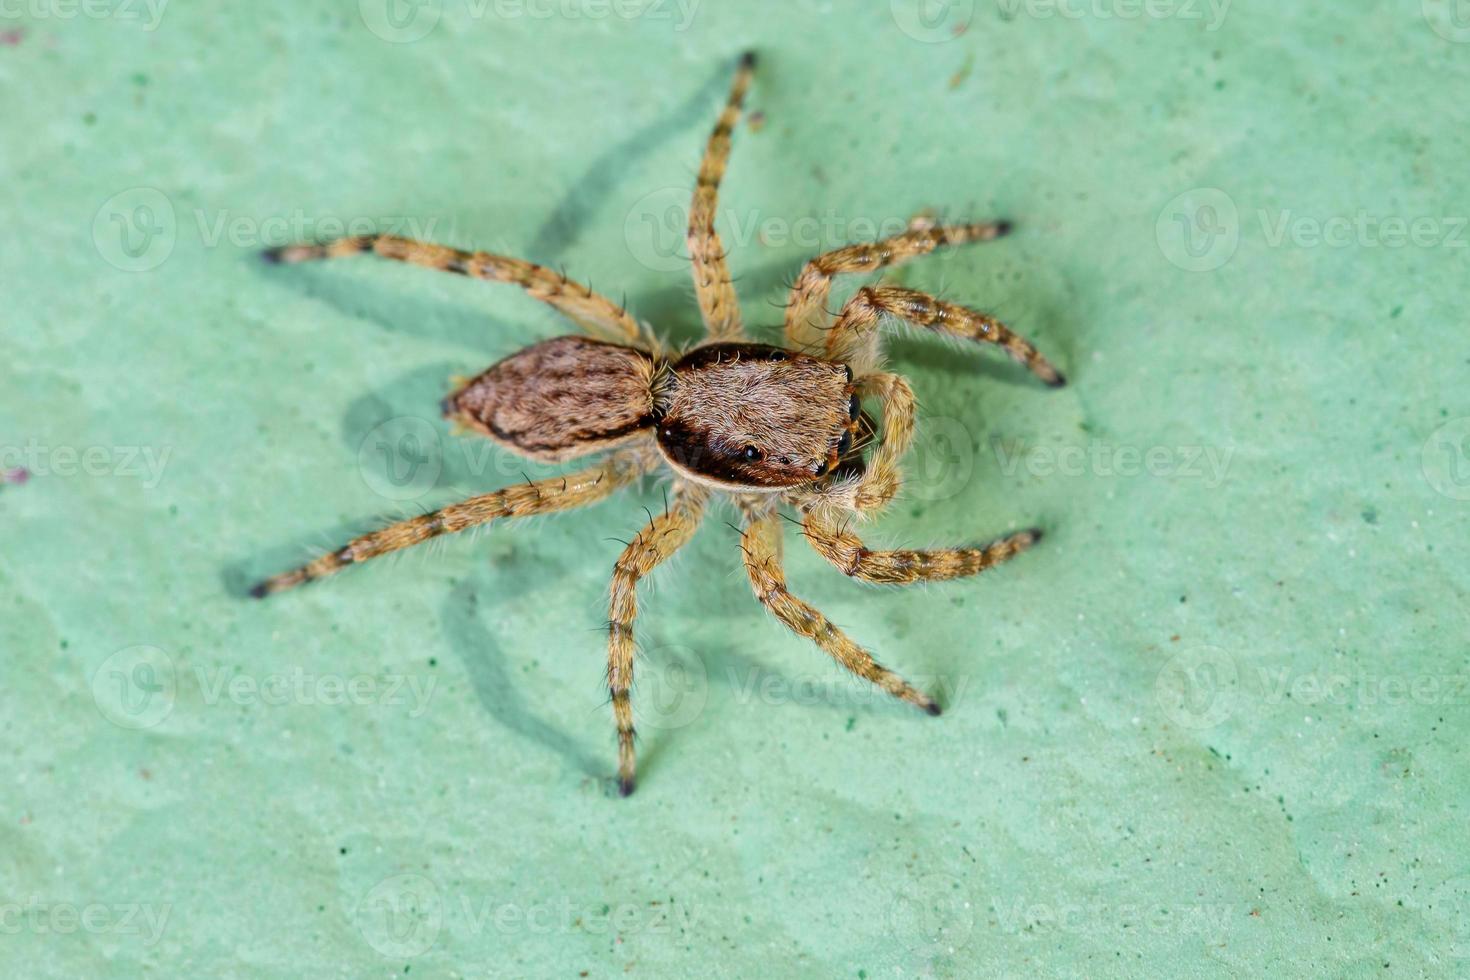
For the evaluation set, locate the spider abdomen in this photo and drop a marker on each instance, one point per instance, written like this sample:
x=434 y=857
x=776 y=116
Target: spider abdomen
x=561 y=398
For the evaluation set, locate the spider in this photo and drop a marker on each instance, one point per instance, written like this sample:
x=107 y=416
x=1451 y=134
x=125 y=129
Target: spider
x=763 y=425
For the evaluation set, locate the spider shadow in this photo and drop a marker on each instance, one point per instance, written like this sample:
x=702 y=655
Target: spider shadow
x=400 y=449
x=811 y=680
x=392 y=308
x=462 y=324
x=490 y=675
x=561 y=228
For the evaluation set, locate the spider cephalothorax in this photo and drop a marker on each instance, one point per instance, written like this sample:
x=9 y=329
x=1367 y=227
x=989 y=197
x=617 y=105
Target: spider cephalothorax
x=767 y=426
x=749 y=417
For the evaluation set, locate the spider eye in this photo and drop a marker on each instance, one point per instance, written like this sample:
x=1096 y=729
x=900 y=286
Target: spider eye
x=752 y=453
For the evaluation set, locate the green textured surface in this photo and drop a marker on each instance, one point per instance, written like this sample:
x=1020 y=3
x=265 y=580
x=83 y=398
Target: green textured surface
x=1213 y=726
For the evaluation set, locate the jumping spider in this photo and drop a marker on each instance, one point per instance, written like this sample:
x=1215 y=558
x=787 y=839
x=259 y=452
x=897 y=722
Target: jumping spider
x=765 y=425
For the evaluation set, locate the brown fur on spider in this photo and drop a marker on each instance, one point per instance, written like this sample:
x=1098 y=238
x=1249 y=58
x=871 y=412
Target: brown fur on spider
x=762 y=424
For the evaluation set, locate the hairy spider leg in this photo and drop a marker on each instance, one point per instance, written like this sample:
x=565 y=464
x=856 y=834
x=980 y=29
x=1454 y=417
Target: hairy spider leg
x=761 y=544
x=806 y=309
x=594 y=313
x=856 y=331
x=712 y=284
x=522 y=500
x=664 y=534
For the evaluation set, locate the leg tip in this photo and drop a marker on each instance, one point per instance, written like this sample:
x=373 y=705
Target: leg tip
x=626 y=785
x=748 y=59
x=1004 y=228
x=260 y=590
x=1060 y=381
x=1035 y=534
x=933 y=709
x=272 y=256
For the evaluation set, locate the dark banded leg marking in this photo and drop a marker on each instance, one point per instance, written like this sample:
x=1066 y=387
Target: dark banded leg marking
x=863 y=313
x=523 y=499
x=596 y=314
x=712 y=284
x=665 y=534
x=806 y=310
x=761 y=543
x=899 y=567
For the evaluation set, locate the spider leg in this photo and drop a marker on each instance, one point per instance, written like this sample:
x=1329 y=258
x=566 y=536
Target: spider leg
x=664 y=534
x=806 y=310
x=594 y=313
x=880 y=480
x=761 y=542
x=857 y=326
x=717 y=301
x=842 y=548
x=522 y=500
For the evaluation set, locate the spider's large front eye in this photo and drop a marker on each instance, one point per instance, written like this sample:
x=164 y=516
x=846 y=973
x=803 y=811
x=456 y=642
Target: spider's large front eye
x=752 y=453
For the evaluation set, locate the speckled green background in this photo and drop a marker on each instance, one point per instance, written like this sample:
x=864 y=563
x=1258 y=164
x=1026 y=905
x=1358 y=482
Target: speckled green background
x=1214 y=726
